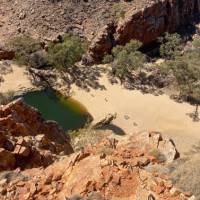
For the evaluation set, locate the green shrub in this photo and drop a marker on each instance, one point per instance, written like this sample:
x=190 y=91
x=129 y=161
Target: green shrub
x=65 y=54
x=107 y=59
x=187 y=71
x=85 y=136
x=196 y=43
x=171 y=45
x=119 y=9
x=127 y=58
x=23 y=46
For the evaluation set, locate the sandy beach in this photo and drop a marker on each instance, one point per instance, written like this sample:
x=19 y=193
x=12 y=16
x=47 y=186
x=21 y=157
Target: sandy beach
x=137 y=112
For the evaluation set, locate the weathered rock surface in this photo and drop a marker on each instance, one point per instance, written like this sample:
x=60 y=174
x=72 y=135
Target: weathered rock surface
x=26 y=140
x=160 y=16
x=145 y=24
x=108 y=170
x=103 y=23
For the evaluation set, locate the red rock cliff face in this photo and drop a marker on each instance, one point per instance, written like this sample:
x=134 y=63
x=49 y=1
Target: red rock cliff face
x=26 y=140
x=146 y=24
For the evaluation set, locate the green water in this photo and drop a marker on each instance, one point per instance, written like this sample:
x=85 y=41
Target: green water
x=69 y=113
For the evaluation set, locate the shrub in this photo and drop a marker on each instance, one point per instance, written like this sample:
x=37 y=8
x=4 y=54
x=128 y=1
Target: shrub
x=65 y=54
x=196 y=43
x=187 y=73
x=127 y=58
x=23 y=46
x=119 y=9
x=171 y=45
x=107 y=59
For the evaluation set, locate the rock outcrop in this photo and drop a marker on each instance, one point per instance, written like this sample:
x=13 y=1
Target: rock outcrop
x=26 y=140
x=150 y=22
x=103 y=23
x=108 y=170
x=145 y=24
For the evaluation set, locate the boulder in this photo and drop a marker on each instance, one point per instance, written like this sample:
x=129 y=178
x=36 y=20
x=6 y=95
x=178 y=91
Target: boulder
x=168 y=149
x=156 y=142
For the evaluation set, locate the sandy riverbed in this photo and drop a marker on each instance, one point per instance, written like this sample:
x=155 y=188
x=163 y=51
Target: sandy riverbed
x=17 y=80
x=137 y=111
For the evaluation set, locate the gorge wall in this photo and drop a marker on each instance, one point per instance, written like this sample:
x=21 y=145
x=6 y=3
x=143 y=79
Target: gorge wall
x=145 y=24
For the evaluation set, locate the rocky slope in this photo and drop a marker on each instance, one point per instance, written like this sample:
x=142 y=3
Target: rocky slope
x=26 y=140
x=103 y=23
x=108 y=170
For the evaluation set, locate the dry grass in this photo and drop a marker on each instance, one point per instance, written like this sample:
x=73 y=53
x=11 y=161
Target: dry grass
x=85 y=136
x=186 y=175
x=158 y=155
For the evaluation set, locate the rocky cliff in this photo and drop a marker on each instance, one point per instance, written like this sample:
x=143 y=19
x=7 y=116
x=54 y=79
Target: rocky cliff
x=102 y=23
x=26 y=140
x=145 y=24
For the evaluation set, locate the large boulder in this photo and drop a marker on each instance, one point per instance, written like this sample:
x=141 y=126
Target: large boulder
x=157 y=145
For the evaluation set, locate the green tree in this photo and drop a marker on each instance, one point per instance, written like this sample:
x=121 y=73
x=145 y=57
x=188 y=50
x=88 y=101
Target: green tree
x=65 y=54
x=186 y=69
x=171 y=45
x=127 y=58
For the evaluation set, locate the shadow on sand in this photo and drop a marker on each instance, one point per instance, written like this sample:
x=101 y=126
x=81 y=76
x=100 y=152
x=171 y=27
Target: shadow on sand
x=116 y=129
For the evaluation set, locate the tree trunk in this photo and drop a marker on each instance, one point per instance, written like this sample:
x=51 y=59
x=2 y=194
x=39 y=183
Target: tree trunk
x=196 y=113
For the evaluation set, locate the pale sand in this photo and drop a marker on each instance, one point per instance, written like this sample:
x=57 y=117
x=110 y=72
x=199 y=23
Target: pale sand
x=153 y=113
x=18 y=80
x=149 y=112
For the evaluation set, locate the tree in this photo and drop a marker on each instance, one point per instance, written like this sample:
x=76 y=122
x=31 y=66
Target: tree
x=65 y=54
x=127 y=58
x=186 y=69
x=171 y=45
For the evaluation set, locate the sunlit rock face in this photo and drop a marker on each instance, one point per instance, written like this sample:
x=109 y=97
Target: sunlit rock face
x=145 y=24
x=26 y=140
